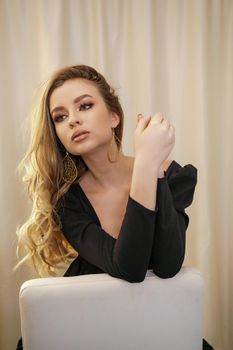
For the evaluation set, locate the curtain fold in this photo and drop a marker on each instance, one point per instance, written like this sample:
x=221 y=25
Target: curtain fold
x=173 y=56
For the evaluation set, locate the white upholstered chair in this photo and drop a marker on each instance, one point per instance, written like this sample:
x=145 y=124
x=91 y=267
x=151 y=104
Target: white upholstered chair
x=99 y=312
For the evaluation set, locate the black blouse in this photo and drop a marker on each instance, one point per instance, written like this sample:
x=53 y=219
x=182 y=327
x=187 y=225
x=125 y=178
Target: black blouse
x=148 y=239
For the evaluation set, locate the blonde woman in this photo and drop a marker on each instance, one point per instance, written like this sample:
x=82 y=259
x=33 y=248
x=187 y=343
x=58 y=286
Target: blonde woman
x=95 y=209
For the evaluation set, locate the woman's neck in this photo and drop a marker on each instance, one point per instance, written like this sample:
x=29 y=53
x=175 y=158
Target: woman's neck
x=105 y=174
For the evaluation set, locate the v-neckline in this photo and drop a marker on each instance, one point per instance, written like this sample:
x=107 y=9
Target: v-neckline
x=88 y=201
x=91 y=206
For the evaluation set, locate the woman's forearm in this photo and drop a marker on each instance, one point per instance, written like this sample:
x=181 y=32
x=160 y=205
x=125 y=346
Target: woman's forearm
x=144 y=183
x=169 y=243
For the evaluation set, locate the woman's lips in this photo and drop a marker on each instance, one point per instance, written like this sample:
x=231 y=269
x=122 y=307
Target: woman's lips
x=80 y=137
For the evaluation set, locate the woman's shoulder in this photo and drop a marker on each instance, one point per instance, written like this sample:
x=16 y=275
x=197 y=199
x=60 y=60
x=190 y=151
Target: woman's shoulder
x=70 y=198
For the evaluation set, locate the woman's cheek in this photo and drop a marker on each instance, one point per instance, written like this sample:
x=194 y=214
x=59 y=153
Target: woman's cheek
x=61 y=135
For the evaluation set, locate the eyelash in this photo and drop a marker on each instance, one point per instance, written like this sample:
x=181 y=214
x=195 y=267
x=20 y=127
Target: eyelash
x=58 y=118
x=82 y=108
x=90 y=105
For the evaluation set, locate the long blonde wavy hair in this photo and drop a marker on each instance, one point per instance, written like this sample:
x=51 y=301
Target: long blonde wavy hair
x=40 y=239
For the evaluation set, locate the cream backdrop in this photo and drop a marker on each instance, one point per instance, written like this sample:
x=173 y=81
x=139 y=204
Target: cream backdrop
x=172 y=56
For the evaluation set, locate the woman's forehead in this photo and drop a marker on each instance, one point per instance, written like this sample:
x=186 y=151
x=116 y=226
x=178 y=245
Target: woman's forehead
x=71 y=90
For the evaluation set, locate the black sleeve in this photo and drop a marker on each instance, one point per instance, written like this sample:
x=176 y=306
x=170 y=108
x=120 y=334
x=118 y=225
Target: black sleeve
x=174 y=193
x=126 y=257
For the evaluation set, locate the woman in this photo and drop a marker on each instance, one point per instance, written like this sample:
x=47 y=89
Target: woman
x=92 y=205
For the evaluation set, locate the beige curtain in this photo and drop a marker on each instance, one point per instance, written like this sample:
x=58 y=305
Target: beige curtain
x=164 y=55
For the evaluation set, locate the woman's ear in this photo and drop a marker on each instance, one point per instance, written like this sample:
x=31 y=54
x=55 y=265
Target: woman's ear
x=115 y=119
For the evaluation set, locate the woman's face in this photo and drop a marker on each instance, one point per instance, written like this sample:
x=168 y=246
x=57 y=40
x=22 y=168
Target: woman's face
x=81 y=119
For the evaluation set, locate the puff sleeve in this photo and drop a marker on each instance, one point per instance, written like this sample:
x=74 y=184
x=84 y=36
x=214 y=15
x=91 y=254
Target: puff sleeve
x=174 y=193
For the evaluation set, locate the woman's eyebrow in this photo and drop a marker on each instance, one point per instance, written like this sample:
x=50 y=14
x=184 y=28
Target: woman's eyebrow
x=79 y=98
x=76 y=100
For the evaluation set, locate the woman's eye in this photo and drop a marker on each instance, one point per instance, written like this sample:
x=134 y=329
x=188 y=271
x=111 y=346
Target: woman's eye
x=85 y=106
x=59 y=118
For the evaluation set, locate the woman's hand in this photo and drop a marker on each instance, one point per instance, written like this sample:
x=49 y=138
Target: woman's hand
x=154 y=139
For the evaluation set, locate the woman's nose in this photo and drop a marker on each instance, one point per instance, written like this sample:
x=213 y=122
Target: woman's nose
x=74 y=118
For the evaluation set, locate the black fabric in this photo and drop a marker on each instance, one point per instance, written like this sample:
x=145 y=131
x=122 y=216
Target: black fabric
x=148 y=239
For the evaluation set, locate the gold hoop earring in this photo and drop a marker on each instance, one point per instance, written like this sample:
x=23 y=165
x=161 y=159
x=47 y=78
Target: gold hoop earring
x=70 y=172
x=113 y=149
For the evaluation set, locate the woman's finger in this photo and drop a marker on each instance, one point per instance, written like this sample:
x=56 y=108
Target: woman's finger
x=142 y=122
x=166 y=123
x=157 y=118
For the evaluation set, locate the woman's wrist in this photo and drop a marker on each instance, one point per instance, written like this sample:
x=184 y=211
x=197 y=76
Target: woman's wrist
x=161 y=172
x=147 y=165
x=144 y=183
